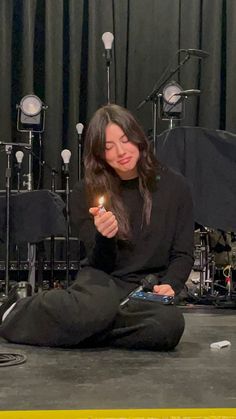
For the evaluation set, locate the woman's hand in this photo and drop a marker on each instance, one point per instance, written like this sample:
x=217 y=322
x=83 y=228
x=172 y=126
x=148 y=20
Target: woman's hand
x=105 y=222
x=163 y=289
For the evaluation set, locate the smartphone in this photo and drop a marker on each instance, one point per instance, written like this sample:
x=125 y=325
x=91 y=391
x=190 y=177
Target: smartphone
x=151 y=296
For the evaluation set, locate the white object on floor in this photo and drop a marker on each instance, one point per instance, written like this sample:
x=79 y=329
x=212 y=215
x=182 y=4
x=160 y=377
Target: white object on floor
x=220 y=345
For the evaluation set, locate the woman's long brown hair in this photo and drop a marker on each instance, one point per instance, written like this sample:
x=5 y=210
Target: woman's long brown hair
x=101 y=179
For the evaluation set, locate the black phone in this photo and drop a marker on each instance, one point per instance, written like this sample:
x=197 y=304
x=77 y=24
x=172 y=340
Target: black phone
x=152 y=296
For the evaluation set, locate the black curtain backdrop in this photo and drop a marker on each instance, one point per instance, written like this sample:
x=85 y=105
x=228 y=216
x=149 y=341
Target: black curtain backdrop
x=53 y=48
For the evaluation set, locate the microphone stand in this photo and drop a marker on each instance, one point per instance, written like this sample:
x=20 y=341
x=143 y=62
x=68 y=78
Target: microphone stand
x=152 y=97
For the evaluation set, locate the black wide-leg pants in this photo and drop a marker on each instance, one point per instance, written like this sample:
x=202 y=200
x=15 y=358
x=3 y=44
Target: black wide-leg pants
x=89 y=314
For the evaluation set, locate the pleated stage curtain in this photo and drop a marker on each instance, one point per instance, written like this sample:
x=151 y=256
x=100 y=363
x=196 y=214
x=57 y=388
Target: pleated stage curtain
x=53 y=48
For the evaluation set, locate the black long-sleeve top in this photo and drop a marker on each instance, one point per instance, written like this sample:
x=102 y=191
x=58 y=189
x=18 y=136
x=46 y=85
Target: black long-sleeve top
x=164 y=247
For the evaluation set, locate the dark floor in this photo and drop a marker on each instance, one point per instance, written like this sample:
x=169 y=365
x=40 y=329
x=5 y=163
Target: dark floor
x=191 y=376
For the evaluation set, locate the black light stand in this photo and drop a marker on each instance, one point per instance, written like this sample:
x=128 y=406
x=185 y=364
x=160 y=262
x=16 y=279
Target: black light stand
x=108 y=39
x=8 y=150
x=67 y=229
x=52 y=243
x=79 y=129
x=31 y=119
x=19 y=157
x=30 y=186
x=8 y=176
x=66 y=155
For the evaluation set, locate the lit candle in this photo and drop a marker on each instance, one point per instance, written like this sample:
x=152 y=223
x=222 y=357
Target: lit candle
x=101 y=204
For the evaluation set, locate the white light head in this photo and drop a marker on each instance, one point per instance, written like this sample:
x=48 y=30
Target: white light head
x=107 y=39
x=79 y=128
x=66 y=155
x=19 y=156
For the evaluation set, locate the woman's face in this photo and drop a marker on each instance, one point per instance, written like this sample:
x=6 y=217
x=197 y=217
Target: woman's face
x=120 y=153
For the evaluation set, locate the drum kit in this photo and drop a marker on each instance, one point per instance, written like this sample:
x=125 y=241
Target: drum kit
x=213 y=277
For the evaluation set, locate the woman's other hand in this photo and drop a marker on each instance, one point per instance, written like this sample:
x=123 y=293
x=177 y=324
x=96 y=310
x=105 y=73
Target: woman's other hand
x=163 y=289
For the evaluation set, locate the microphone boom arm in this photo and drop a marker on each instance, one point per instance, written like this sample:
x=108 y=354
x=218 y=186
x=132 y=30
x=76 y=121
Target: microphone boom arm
x=153 y=94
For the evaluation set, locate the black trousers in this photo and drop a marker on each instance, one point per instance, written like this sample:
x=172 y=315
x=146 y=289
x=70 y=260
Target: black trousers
x=89 y=314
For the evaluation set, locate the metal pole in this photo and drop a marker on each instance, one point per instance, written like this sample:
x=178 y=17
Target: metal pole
x=8 y=190
x=67 y=231
x=108 y=83
x=154 y=107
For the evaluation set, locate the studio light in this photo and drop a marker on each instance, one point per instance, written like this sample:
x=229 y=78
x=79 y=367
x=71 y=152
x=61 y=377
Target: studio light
x=171 y=105
x=31 y=114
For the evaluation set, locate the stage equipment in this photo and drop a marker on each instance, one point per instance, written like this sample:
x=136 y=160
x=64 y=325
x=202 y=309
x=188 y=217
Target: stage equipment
x=147 y=285
x=79 y=129
x=107 y=39
x=34 y=217
x=199 y=53
x=214 y=280
x=171 y=102
x=10 y=359
x=204 y=157
x=204 y=263
x=52 y=238
x=8 y=176
x=19 y=158
x=170 y=106
x=31 y=119
x=31 y=114
x=66 y=155
x=165 y=77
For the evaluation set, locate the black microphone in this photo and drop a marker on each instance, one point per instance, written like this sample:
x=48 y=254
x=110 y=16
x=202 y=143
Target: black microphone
x=181 y=94
x=196 y=53
x=66 y=155
x=189 y=92
x=147 y=284
x=107 y=39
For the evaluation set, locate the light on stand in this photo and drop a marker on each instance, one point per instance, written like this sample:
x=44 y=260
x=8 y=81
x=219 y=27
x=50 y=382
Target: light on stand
x=31 y=114
x=31 y=119
x=107 y=39
x=66 y=155
x=165 y=77
x=171 y=102
x=79 y=129
x=19 y=158
x=170 y=107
